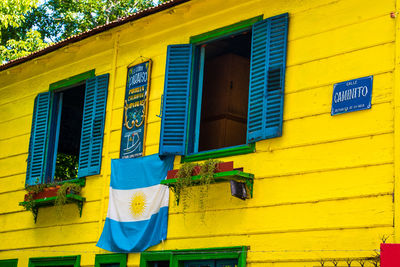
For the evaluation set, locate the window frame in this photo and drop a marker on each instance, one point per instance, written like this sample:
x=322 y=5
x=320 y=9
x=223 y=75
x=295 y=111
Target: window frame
x=56 y=88
x=266 y=88
x=55 y=261
x=56 y=103
x=176 y=258
x=42 y=153
x=197 y=41
x=120 y=258
x=9 y=263
x=71 y=81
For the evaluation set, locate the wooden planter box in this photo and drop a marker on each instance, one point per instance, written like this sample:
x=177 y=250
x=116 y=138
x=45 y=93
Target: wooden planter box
x=46 y=193
x=221 y=167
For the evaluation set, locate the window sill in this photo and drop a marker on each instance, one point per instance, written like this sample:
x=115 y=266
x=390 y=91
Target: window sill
x=47 y=196
x=236 y=175
x=50 y=201
x=220 y=153
x=81 y=181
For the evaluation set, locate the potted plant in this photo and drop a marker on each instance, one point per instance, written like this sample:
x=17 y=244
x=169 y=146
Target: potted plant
x=220 y=167
x=184 y=179
x=65 y=189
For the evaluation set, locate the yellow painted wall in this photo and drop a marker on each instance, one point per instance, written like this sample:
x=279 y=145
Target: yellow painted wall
x=324 y=190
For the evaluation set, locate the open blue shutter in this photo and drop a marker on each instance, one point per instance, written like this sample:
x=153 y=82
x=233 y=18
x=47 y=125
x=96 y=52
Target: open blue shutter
x=267 y=78
x=93 y=125
x=176 y=100
x=38 y=141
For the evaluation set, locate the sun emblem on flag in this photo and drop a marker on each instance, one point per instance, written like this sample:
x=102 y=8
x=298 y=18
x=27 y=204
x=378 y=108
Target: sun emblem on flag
x=138 y=204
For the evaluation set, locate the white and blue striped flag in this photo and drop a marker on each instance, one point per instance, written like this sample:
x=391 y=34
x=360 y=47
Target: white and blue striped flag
x=137 y=215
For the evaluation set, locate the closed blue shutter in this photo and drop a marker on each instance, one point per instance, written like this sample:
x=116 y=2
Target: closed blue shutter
x=93 y=125
x=176 y=98
x=38 y=141
x=267 y=78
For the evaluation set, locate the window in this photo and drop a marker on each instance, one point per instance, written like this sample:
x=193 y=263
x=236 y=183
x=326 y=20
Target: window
x=211 y=263
x=67 y=129
x=225 y=89
x=222 y=91
x=212 y=257
x=68 y=261
x=158 y=263
x=111 y=260
x=9 y=263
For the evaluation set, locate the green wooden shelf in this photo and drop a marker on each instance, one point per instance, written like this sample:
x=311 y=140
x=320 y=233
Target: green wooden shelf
x=50 y=201
x=236 y=175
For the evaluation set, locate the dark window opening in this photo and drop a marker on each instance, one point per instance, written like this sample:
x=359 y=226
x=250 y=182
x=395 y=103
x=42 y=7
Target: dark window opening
x=66 y=132
x=212 y=263
x=225 y=90
x=158 y=264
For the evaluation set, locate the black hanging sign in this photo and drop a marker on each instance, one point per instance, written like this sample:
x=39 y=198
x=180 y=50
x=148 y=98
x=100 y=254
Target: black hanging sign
x=135 y=109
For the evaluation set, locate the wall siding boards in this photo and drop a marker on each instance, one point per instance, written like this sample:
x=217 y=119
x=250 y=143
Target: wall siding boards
x=324 y=190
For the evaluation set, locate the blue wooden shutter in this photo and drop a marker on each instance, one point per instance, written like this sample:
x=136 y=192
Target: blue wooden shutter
x=37 y=145
x=267 y=78
x=176 y=98
x=93 y=125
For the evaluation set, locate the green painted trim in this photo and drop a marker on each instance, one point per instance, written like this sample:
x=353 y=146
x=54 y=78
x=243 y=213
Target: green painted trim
x=9 y=263
x=72 y=80
x=55 y=261
x=43 y=202
x=220 y=153
x=243 y=257
x=224 y=31
x=229 y=175
x=146 y=257
x=177 y=256
x=81 y=181
x=50 y=201
x=239 y=176
x=111 y=258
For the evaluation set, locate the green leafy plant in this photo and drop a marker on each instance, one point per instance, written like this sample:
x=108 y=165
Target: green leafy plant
x=29 y=203
x=208 y=168
x=184 y=180
x=63 y=191
x=61 y=198
x=66 y=167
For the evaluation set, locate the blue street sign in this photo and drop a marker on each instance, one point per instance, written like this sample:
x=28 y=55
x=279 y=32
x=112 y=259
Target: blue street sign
x=352 y=95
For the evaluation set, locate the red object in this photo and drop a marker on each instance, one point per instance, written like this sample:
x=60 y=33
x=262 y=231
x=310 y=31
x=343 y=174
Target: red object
x=47 y=192
x=221 y=167
x=390 y=255
x=172 y=174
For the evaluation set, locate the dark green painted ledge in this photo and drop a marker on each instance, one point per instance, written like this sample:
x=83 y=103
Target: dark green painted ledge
x=220 y=153
x=236 y=175
x=50 y=201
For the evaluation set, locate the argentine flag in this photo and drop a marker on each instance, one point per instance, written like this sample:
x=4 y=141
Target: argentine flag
x=137 y=215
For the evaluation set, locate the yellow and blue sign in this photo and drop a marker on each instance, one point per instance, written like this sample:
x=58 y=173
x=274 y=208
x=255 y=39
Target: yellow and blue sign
x=133 y=128
x=352 y=95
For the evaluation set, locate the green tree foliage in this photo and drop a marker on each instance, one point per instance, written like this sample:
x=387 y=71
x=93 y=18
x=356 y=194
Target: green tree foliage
x=14 y=49
x=12 y=12
x=13 y=16
x=28 y=27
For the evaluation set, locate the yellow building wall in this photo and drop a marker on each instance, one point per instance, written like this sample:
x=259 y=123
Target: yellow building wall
x=324 y=190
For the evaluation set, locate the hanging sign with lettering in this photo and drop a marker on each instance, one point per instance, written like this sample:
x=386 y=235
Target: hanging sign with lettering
x=135 y=110
x=352 y=95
